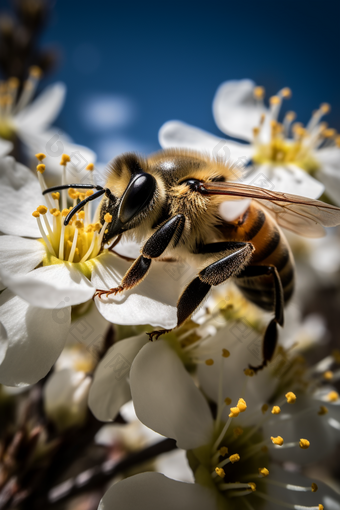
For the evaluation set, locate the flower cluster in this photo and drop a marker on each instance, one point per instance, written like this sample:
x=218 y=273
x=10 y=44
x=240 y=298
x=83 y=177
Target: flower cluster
x=246 y=421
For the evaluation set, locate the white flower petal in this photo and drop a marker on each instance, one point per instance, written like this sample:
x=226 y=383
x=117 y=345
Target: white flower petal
x=55 y=286
x=20 y=255
x=20 y=195
x=245 y=347
x=175 y=465
x=153 y=491
x=54 y=143
x=287 y=179
x=235 y=110
x=152 y=302
x=178 y=134
x=169 y=402
x=5 y=147
x=43 y=110
x=110 y=388
x=329 y=172
x=34 y=338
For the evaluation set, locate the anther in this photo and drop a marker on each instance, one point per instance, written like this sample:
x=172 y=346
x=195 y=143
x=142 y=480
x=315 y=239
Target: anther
x=209 y=361
x=286 y=93
x=220 y=472
x=249 y=372
x=277 y=440
x=227 y=401
x=65 y=158
x=234 y=412
x=259 y=92
x=81 y=215
x=13 y=82
x=223 y=451
x=35 y=72
x=108 y=219
x=322 y=411
x=89 y=193
x=55 y=196
x=90 y=167
x=325 y=108
x=41 y=168
x=333 y=396
x=225 y=353
x=328 y=375
x=304 y=444
x=274 y=100
x=290 y=116
x=252 y=485
x=314 y=487
x=234 y=458
x=40 y=156
x=264 y=408
x=42 y=209
x=35 y=214
x=53 y=210
x=291 y=397
x=263 y=471
x=241 y=404
x=56 y=213
x=276 y=410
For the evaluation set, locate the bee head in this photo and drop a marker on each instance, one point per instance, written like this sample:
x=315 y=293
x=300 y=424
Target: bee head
x=132 y=195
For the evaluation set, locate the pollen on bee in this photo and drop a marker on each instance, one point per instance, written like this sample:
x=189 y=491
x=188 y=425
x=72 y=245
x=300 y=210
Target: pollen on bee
x=108 y=218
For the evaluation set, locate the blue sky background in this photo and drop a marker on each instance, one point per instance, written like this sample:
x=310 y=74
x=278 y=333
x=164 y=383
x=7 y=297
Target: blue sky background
x=130 y=66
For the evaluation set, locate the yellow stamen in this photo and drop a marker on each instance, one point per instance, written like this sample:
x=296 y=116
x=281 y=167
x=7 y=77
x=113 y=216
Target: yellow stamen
x=79 y=224
x=35 y=72
x=291 y=397
x=325 y=108
x=286 y=93
x=252 y=485
x=53 y=210
x=314 y=487
x=42 y=209
x=277 y=440
x=259 y=92
x=72 y=193
x=321 y=507
x=225 y=353
x=264 y=471
x=56 y=213
x=65 y=212
x=304 y=444
x=234 y=411
x=89 y=193
x=55 y=196
x=323 y=410
x=264 y=408
x=41 y=168
x=241 y=404
x=276 y=410
x=40 y=156
x=333 y=396
x=234 y=458
x=329 y=133
x=328 y=375
x=90 y=167
x=35 y=214
x=274 y=100
x=13 y=82
x=227 y=401
x=209 y=361
x=249 y=372
x=223 y=451
x=220 y=472
x=290 y=116
x=81 y=215
x=65 y=158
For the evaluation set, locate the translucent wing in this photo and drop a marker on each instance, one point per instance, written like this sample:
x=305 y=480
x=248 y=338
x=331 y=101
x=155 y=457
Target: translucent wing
x=301 y=215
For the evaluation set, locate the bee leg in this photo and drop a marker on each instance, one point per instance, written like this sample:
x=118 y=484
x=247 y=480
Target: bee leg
x=215 y=273
x=271 y=334
x=168 y=232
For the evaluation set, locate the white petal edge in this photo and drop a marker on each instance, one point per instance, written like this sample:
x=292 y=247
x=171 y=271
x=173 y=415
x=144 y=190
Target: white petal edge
x=5 y=147
x=235 y=110
x=169 y=402
x=148 y=303
x=55 y=286
x=34 y=338
x=329 y=172
x=177 y=134
x=153 y=491
x=20 y=255
x=43 y=110
x=20 y=195
x=110 y=388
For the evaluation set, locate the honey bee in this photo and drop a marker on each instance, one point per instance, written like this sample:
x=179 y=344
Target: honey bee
x=171 y=202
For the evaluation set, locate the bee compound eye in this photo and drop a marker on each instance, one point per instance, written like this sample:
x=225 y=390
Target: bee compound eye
x=138 y=195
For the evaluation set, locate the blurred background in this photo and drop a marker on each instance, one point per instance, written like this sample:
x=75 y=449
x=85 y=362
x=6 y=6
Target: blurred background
x=131 y=66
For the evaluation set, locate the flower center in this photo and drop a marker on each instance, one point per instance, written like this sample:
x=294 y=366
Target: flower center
x=80 y=240
x=291 y=142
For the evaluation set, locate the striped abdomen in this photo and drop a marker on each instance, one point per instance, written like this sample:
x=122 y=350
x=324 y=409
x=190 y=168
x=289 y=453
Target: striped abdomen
x=271 y=248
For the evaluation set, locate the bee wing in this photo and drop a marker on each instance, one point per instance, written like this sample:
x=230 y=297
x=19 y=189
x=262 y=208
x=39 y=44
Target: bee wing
x=301 y=215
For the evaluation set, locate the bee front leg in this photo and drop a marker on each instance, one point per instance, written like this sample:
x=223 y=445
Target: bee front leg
x=170 y=231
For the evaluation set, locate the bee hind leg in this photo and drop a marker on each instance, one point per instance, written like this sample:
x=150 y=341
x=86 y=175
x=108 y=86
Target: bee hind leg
x=271 y=334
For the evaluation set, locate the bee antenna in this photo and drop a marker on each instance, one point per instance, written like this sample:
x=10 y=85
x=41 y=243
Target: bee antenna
x=68 y=186
x=82 y=203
